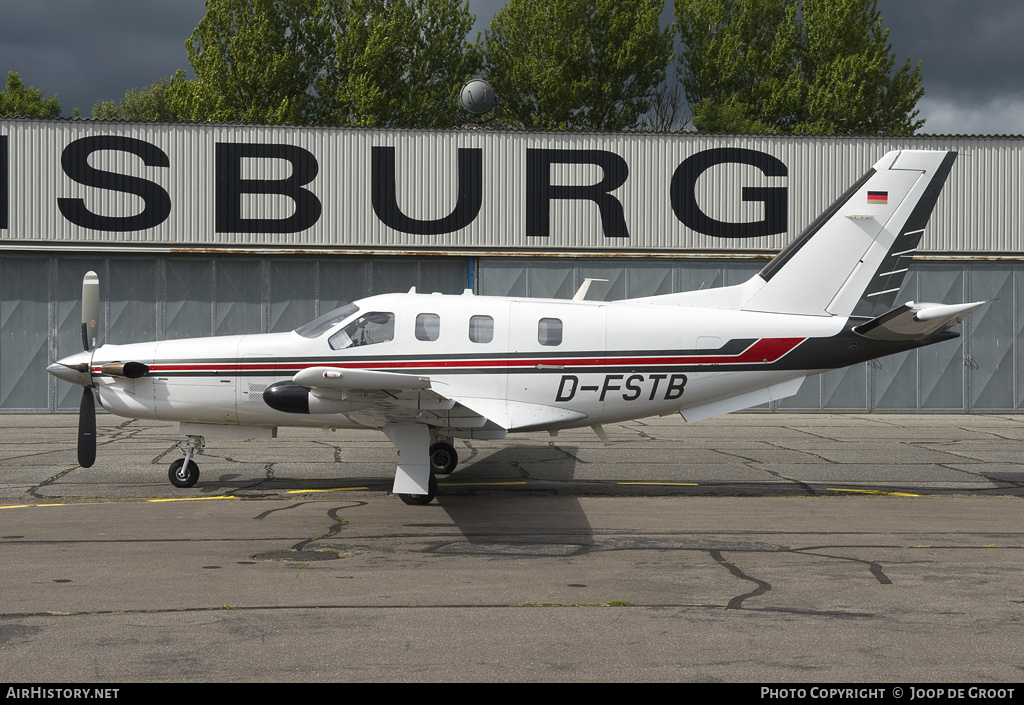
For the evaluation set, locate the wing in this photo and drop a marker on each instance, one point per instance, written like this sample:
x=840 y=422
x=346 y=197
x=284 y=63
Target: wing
x=403 y=406
x=375 y=398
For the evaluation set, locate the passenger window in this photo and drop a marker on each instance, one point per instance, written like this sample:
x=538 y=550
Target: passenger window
x=369 y=329
x=481 y=329
x=549 y=331
x=428 y=326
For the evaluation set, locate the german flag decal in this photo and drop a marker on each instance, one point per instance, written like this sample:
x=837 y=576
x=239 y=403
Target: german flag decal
x=879 y=198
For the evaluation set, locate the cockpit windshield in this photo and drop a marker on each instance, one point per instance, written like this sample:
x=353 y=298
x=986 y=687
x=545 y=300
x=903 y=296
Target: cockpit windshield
x=369 y=329
x=328 y=320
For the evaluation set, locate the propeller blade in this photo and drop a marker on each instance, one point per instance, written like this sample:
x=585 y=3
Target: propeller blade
x=90 y=309
x=87 y=430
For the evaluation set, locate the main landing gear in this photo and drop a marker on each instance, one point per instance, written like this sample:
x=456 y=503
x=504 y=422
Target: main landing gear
x=183 y=471
x=443 y=460
x=420 y=500
x=419 y=461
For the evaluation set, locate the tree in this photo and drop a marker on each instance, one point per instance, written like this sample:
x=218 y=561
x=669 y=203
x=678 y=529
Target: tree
x=18 y=101
x=794 y=66
x=151 y=104
x=255 y=61
x=574 y=64
x=396 y=63
x=339 y=62
x=668 y=111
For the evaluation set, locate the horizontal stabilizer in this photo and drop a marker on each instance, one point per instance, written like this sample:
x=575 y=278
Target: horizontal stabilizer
x=915 y=321
x=341 y=378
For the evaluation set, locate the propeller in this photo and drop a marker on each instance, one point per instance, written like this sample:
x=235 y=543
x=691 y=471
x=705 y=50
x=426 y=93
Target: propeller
x=90 y=331
x=90 y=310
x=87 y=429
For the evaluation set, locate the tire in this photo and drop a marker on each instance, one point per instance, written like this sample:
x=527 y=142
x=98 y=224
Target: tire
x=443 y=458
x=182 y=477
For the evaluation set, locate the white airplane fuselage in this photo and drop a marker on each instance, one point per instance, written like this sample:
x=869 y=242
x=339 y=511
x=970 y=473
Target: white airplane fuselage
x=614 y=361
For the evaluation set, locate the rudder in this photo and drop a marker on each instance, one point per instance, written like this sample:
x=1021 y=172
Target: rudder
x=853 y=258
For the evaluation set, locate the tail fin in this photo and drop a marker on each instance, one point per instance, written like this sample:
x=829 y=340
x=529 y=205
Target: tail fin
x=852 y=259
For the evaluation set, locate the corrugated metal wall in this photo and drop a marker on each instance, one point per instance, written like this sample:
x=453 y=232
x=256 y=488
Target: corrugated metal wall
x=283 y=187
x=160 y=297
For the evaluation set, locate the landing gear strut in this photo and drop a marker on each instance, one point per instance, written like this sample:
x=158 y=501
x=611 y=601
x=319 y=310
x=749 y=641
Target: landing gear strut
x=183 y=471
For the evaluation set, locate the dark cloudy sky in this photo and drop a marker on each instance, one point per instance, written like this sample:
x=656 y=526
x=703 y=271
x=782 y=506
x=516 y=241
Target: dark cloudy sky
x=90 y=50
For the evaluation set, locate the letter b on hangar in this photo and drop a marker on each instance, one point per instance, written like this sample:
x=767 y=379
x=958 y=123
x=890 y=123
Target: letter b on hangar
x=684 y=197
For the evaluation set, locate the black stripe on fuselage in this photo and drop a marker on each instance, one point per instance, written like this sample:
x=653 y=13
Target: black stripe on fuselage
x=733 y=347
x=840 y=350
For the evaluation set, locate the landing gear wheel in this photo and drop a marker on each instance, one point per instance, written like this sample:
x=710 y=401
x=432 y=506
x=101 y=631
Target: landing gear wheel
x=180 y=476
x=443 y=458
x=422 y=499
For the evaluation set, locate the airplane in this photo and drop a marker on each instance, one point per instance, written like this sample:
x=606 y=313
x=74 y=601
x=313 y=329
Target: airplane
x=429 y=368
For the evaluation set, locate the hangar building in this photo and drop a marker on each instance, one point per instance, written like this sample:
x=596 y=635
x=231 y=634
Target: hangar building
x=216 y=229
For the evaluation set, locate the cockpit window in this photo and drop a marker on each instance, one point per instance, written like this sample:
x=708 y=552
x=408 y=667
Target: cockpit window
x=368 y=329
x=318 y=325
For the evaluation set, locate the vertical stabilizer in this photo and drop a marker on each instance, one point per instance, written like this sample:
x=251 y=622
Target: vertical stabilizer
x=852 y=259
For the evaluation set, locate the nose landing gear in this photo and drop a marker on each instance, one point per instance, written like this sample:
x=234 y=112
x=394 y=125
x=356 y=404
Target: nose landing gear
x=183 y=471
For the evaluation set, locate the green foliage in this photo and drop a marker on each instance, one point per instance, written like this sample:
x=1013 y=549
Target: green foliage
x=327 y=62
x=255 y=61
x=794 y=66
x=578 y=65
x=18 y=101
x=151 y=104
x=396 y=63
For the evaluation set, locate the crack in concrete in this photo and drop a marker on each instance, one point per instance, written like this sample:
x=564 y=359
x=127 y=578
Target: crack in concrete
x=298 y=551
x=736 y=603
x=874 y=566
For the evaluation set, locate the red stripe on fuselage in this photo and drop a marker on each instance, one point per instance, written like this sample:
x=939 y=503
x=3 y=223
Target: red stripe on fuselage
x=764 y=351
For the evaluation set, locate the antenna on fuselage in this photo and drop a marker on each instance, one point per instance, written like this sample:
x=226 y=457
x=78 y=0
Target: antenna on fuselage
x=581 y=293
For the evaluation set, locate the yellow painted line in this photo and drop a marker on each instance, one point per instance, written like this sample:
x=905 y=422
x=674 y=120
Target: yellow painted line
x=668 y=484
x=893 y=494
x=190 y=499
x=22 y=506
x=475 y=484
x=333 y=489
